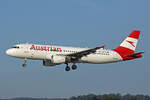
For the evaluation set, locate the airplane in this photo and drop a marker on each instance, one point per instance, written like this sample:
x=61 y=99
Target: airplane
x=52 y=55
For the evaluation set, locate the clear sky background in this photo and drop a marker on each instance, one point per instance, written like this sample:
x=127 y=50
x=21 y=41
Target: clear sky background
x=83 y=23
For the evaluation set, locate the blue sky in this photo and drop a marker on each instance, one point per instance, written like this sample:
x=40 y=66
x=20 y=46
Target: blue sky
x=83 y=23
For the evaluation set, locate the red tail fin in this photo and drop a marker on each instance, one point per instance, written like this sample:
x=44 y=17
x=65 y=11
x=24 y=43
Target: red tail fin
x=128 y=46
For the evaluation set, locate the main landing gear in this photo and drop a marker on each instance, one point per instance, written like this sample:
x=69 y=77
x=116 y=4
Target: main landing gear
x=25 y=61
x=74 y=67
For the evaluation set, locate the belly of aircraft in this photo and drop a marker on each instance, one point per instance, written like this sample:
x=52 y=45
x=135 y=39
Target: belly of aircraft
x=100 y=59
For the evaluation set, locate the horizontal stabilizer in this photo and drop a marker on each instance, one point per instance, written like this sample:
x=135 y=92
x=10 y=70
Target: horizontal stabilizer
x=135 y=54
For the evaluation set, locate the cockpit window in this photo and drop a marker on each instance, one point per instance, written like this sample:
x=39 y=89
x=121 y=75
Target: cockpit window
x=16 y=47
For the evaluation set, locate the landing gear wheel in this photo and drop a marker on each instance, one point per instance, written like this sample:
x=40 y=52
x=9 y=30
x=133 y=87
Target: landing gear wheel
x=24 y=65
x=74 y=67
x=67 y=68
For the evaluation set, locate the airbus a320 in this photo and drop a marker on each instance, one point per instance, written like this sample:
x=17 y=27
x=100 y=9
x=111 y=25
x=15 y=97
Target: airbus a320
x=52 y=55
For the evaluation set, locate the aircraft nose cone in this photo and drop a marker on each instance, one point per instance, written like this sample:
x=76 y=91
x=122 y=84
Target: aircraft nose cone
x=8 y=52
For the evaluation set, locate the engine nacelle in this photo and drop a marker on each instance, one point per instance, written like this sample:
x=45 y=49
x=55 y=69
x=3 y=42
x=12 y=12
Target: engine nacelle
x=48 y=63
x=54 y=60
x=58 y=59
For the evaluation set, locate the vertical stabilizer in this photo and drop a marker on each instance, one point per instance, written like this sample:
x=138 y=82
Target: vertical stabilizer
x=131 y=41
x=128 y=46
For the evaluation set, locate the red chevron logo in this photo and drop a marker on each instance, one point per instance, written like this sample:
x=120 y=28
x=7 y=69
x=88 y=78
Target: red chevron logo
x=131 y=43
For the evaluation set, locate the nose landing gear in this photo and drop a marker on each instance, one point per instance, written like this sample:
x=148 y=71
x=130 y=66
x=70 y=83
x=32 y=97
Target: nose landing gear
x=25 y=61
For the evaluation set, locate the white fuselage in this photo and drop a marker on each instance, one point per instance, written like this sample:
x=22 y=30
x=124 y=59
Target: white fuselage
x=54 y=55
x=44 y=52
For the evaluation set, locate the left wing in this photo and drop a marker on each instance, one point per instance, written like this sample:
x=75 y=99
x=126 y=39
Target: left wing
x=84 y=53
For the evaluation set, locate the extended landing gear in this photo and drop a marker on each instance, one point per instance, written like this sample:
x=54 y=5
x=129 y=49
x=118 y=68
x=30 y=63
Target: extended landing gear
x=25 y=61
x=74 y=67
x=67 y=67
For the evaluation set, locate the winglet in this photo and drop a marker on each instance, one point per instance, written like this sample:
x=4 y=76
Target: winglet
x=103 y=46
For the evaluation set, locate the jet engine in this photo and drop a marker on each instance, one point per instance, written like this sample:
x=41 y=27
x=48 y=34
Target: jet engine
x=52 y=60
x=48 y=63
